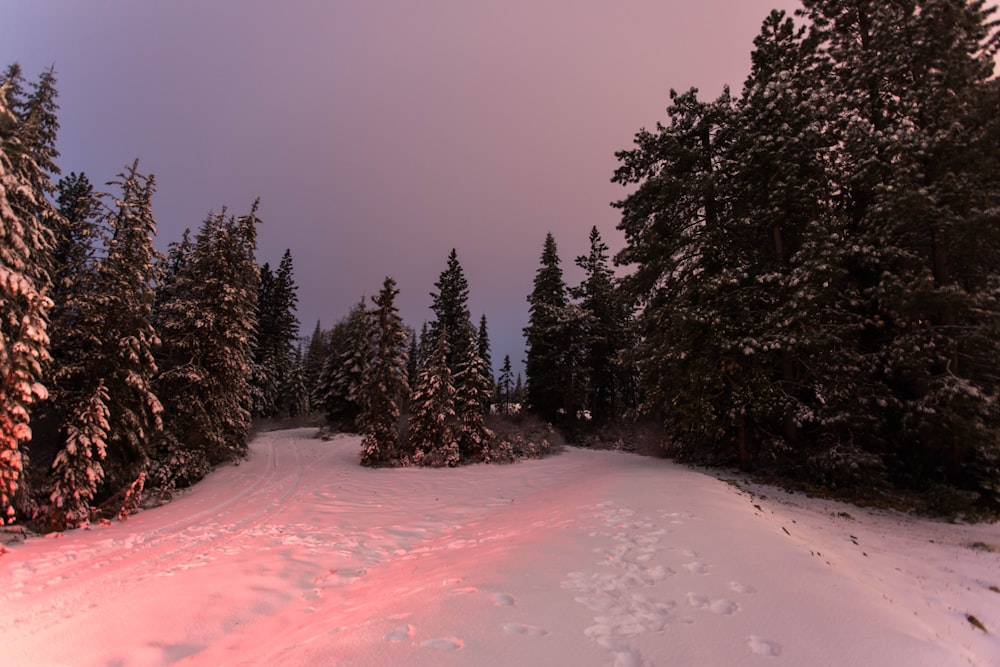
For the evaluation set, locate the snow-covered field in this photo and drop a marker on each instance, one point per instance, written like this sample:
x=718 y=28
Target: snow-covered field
x=301 y=557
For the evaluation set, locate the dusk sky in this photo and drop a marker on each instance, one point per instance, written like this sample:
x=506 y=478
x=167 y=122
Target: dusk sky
x=379 y=134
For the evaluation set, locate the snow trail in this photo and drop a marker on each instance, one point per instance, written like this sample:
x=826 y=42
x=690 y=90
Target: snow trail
x=299 y=556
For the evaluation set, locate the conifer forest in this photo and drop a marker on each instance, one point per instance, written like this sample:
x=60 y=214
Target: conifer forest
x=809 y=289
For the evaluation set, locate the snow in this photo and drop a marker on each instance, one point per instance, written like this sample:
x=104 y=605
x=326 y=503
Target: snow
x=300 y=556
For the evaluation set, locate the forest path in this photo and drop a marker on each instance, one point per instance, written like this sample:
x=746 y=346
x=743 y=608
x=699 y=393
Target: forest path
x=299 y=556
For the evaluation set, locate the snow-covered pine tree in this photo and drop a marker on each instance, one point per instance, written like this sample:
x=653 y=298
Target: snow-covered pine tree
x=451 y=310
x=295 y=392
x=339 y=392
x=483 y=348
x=780 y=186
x=431 y=433
x=473 y=388
x=385 y=385
x=556 y=337
x=127 y=278
x=78 y=467
x=207 y=317
x=609 y=315
x=544 y=348
x=27 y=146
x=277 y=336
x=317 y=350
x=505 y=387
x=74 y=375
x=676 y=233
x=911 y=83
x=413 y=359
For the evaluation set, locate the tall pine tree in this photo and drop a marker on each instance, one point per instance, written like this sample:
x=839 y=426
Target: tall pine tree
x=385 y=385
x=27 y=144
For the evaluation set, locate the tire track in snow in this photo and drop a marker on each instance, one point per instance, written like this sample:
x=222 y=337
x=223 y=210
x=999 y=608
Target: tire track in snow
x=70 y=564
x=76 y=585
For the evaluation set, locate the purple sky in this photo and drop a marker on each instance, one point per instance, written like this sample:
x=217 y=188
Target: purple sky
x=380 y=134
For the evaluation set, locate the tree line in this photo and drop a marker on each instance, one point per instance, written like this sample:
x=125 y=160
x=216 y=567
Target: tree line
x=120 y=366
x=815 y=262
x=417 y=400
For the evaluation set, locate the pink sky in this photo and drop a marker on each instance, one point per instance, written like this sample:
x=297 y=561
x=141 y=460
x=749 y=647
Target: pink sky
x=379 y=135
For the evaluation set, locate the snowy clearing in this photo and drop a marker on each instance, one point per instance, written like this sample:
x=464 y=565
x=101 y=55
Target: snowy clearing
x=301 y=557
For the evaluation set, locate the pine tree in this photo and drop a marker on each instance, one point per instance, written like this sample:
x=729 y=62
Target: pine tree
x=385 y=385
x=815 y=261
x=74 y=375
x=75 y=319
x=277 y=336
x=207 y=318
x=296 y=389
x=78 y=468
x=340 y=390
x=910 y=83
x=557 y=337
x=431 y=434
x=606 y=338
x=505 y=387
x=451 y=310
x=127 y=277
x=27 y=146
x=317 y=350
x=674 y=224
x=413 y=359
x=473 y=387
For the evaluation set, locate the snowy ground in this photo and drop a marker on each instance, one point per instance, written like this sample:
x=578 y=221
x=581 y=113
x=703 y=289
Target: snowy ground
x=301 y=557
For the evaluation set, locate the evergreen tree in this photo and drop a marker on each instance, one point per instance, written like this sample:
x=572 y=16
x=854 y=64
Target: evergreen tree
x=814 y=262
x=296 y=389
x=606 y=337
x=483 y=345
x=451 y=310
x=473 y=387
x=78 y=469
x=340 y=392
x=672 y=223
x=909 y=84
x=78 y=394
x=483 y=349
x=386 y=384
x=413 y=359
x=505 y=387
x=27 y=145
x=127 y=277
x=431 y=433
x=556 y=337
x=317 y=350
x=277 y=336
x=207 y=316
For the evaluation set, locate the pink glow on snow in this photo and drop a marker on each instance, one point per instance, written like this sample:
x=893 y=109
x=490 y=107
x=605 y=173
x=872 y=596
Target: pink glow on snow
x=301 y=557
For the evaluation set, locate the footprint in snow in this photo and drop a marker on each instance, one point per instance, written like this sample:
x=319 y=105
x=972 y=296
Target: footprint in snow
x=444 y=643
x=503 y=599
x=722 y=607
x=401 y=634
x=765 y=647
x=522 y=629
x=737 y=587
x=695 y=567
